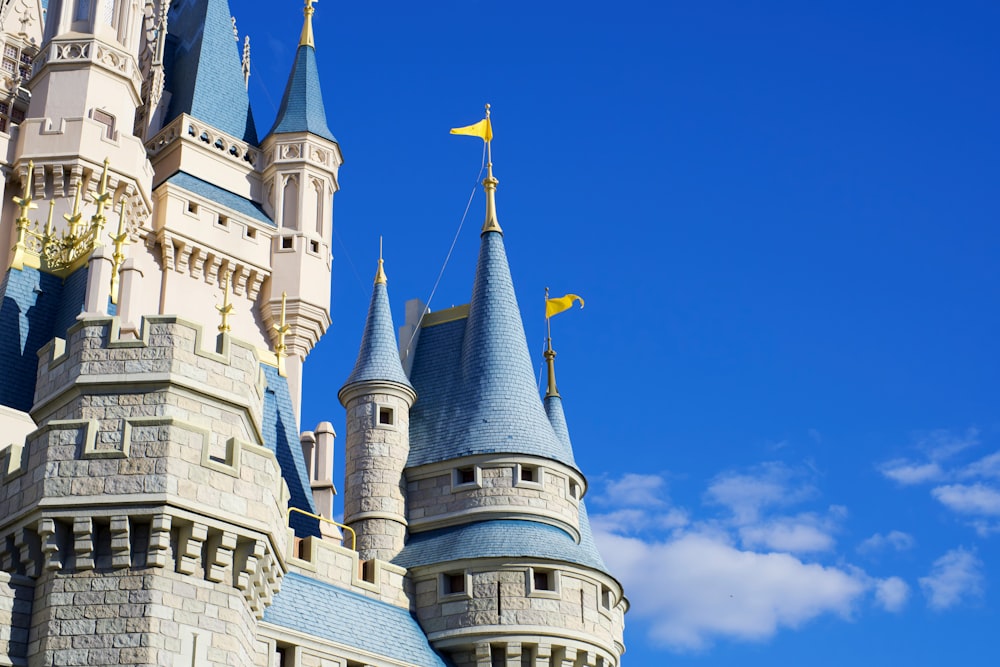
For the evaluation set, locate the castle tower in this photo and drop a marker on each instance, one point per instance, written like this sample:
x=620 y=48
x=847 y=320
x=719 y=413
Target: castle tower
x=301 y=162
x=500 y=549
x=84 y=91
x=378 y=397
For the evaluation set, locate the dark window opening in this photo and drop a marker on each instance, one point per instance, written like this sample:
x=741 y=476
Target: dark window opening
x=385 y=416
x=454 y=582
x=466 y=475
x=543 y=580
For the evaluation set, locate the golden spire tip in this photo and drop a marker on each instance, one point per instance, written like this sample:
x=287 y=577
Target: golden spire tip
x=380 y=278
x=307 y=27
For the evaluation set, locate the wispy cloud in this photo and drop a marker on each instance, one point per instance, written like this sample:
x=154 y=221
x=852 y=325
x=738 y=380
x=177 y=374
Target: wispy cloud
x=746 y=494
x=698 y=587
x=635 y=490
x=892 y=594
x=896 y=540
x=907 y=472
x=742 y=572
x=956 y=577
x=977 y=499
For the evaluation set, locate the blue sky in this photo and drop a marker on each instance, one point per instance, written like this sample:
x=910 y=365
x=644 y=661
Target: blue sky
x=783 y=217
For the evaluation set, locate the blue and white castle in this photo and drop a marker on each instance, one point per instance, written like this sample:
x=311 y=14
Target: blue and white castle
x=168 y=275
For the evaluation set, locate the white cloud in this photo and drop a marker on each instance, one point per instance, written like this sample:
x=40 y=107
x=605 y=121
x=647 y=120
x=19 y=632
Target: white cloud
x=943 y=444
x=908 y=473
x=891 y=594
x=630 y=521
x=894 y=539
x=698 y=587
x=635 y=490
x=804 y=533
x=976 y=499
x=746 y=495
x=955 y=577
x=988 y=466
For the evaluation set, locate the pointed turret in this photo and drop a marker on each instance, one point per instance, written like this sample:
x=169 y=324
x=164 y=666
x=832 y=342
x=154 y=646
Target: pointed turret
x=302 y=107
x=378 y=358
x=299 y=182
x=496 y=367
x=378 y=397
x=205 y=78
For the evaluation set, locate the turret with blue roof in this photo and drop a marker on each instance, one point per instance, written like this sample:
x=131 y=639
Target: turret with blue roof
x=302 y=108
x=378 y=397
x=499 y=540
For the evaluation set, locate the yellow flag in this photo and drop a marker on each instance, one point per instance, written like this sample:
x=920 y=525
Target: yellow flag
x=559 y=304
x=483 y=129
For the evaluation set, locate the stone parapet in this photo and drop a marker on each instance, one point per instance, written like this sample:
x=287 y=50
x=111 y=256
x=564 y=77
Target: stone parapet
x=494 y=487
x=538 y=609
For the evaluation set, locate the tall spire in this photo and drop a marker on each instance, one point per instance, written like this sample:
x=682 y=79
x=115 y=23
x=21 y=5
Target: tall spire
x=380 y=278
x=307 y=26
x=490 y=184
x=205 y=67
x=378 y=358
x=302 y=108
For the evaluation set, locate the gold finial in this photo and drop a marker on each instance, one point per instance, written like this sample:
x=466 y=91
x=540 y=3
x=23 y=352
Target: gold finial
x=101 y=198
x=380 y=278
x=226 y=308
x=119 y=240
x=24 y=204
x=49 y=227
x=490 y=184
x=281 y=329
x=307 y=27
x=550 y=355
x=74 y=218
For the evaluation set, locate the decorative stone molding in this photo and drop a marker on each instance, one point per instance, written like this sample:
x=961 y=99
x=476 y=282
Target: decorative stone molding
x=186 y=129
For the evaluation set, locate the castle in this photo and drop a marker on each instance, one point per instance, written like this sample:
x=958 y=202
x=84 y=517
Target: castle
x=168 y=275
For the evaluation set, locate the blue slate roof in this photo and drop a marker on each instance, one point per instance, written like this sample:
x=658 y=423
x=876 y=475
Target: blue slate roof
x=281 y=437
x=302 y=107
x=378 y=358
x=475 y=380
x=204 y=68
x=337 y=615
x=213 y=192
x=36 y=307
x=554 y=411
x=507 y=538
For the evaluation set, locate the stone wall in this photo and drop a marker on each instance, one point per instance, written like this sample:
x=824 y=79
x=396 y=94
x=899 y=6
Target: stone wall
x=437 y=496
x=16 y=595
x=577 y=609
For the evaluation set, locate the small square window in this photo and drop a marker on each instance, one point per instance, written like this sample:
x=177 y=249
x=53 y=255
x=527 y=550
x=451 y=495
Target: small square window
x=314 y=246
x=385 y=416
x=192 y=207
x=453 y=583
x=222 y=221
x=250 y=233
x=606 y=597
x=529 y=474
x=574 y=489
x=543 y=580
x=466 y=475
x=286 y=242
x=368 y=571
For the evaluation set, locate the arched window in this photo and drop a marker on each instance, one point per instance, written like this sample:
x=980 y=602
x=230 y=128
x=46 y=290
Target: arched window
x=290 y=203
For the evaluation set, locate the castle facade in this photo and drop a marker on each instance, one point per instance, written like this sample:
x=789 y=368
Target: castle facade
x=168 y=275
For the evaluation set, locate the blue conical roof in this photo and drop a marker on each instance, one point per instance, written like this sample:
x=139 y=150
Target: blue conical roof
x=378 y=358
x=204 y=72
x=554 y=411
x=302 y=107
x=505 y=414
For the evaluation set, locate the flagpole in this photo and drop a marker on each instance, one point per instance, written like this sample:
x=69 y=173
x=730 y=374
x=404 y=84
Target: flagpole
x=550 y=355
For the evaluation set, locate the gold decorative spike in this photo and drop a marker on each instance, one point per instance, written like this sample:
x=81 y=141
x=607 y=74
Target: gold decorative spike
x=49 y=235
x=380 y=278
x=74 y=218
x=24 y=204
x=226 y=308
x=101 y=198
x=119 y=240
x=490 y=185
x=550 y=355
x=307 y=27
x=281 y=329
